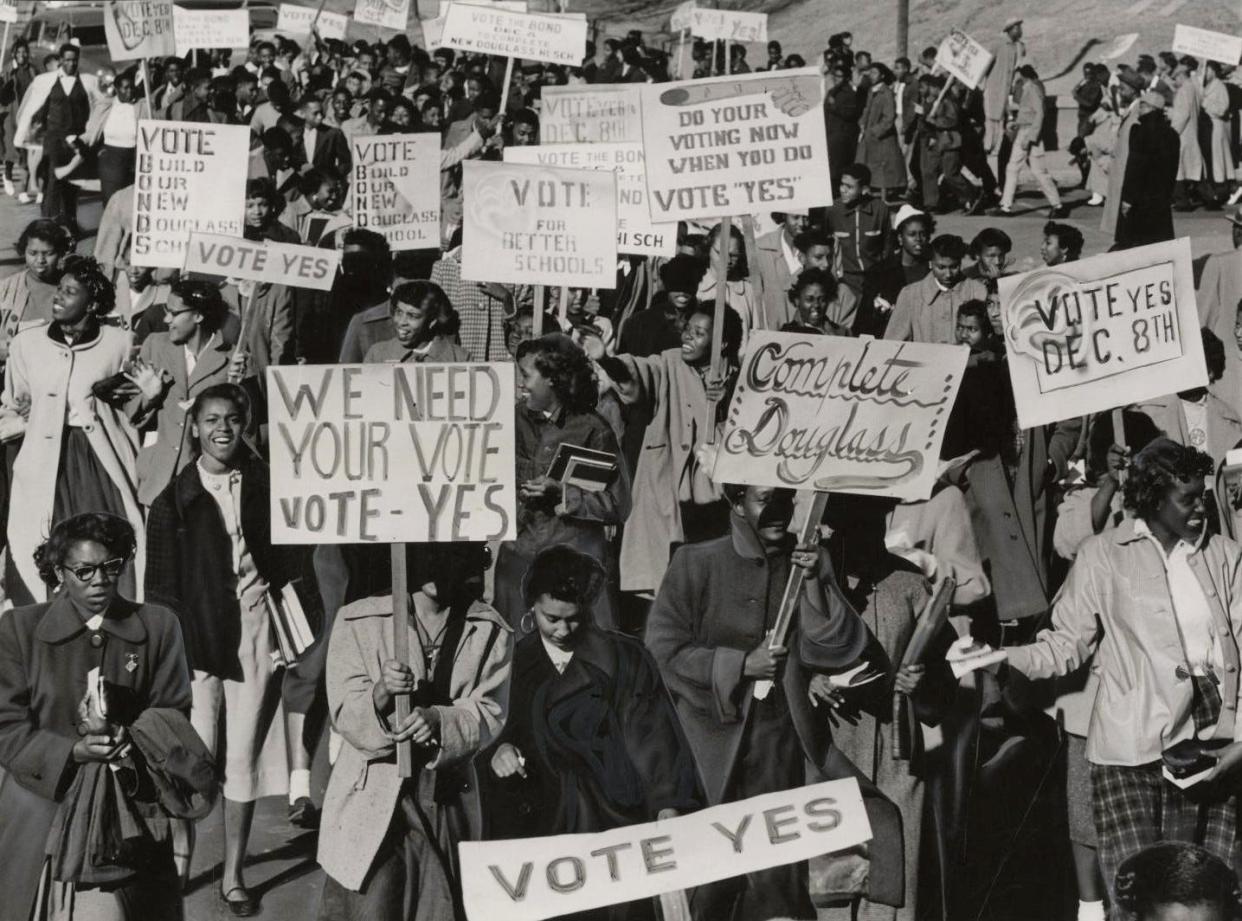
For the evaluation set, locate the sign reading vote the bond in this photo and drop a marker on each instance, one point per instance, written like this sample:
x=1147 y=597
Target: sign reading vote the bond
x=188 y=178
x=539 y=225
x=262 y=261
x=528 y=879
x=964 y=58
x=139 y=29
x=635 y=232
x=848 y=415
x=598 y=114
x=391 y=452
x=736 y=145
x=396 y=188
x=210 y=29
x=487 y=30
x=1103 y=332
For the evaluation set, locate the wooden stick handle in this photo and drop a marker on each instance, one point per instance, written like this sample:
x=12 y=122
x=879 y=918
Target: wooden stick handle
x=536 y=329
x=401 y=650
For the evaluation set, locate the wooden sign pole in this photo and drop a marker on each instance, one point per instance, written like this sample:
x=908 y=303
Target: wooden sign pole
x=146 y=87
x=504 y=94
x=1119 y=438
x=721 y=266
x=4 y=47
x=401 y=651
x=536 y=329
x=563 y=312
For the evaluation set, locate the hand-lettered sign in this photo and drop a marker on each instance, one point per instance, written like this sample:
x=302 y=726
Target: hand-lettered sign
x=396 y=188
x=263 y=261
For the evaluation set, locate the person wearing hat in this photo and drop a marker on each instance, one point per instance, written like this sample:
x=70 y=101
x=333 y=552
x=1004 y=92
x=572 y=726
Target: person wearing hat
x=1149 y=178
x=1026 y=130
x=1129 y=85
x=996 y=88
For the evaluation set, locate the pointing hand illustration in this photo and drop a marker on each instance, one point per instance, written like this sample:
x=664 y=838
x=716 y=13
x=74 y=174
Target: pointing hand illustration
x=793 y=95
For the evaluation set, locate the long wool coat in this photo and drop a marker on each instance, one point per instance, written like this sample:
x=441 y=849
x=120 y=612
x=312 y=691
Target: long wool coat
x=1117 y=172
x=45 y=655
x=878 y=147
x=364 y=788
x=1184 y=117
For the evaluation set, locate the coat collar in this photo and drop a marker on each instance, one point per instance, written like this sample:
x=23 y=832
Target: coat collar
x=61 y=621
x=189 y=485
x=746 y=543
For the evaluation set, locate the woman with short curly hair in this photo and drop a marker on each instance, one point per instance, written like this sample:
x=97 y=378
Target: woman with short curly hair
x=26 y=297
x=79 y=450
x=557 y=393
x=1158 y=601
x=1151 y=883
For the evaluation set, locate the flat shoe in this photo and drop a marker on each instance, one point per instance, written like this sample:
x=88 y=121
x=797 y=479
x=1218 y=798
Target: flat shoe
x=245 y=907
x=303 y=813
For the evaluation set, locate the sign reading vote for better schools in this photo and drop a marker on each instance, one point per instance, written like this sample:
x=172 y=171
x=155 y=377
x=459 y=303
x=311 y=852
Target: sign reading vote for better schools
x=195 y=28
x=189 y=176
x=736 y=145
x=139 y=29
x=1103 y=332
x=1204 y=43
x=862 y=416
x=964 y=58
x=635 y=232
x=538 y=225
x=396 y=188
x=413 y=452
x=532 y=37
x=598 y=114
x=529 y=879
x=262 y=261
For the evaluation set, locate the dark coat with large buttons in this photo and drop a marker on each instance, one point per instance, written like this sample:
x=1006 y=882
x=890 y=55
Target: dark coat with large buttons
x=46 y=652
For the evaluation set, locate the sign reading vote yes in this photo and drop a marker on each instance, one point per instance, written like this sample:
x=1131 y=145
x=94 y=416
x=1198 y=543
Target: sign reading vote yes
x=860 y=416
x=392 y=452
x=597 y=114
x=528 y=879
x=729 y=25
x=262 y=261
x=1103 y=332
x=538 y=225
x=396 y=188
x=736 y=145
x=297 y=20
x=139 y=29
x=487 y=30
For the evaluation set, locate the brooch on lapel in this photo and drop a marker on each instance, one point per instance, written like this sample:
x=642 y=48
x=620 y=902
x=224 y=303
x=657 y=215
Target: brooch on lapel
x=131 y=662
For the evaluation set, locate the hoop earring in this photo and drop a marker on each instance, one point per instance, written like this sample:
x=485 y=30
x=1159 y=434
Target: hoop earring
x=527 y=623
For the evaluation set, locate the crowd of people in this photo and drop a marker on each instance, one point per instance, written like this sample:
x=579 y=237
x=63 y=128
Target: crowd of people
x=600 y=670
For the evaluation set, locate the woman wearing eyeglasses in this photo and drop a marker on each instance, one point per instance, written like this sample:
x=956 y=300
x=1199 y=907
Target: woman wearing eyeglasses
x=47 y=652
x=79 y=452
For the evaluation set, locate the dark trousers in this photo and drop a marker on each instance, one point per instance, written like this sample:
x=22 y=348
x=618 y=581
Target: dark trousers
x=939 y=165
x=1187 y=193
x=116 y=170
x=60 y=196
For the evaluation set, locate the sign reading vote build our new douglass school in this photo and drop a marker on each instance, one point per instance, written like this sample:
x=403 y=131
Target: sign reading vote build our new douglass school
x=189 y=177
x=396 y=188
x=735 y=145
x=848 y=415
x=1103 y=332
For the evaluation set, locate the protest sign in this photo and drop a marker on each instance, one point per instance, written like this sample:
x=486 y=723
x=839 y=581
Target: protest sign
x=388 y=14
x=433 y=29
x=538 y=225
x=413 y=452
x=1092 y=335
x=396 y=188
x=528 y=879
x=635 y=232
x=597 y=114
x=296 y=20
x=1204 y=43
x=529 y=36
x=682 y=17
x=964 y=58
x=139 y=29
x=729 y=25
x=8 y=11
x=189 y=176
x=262 y=261
x=195 y=28
x=736 y=145
x=862 y=416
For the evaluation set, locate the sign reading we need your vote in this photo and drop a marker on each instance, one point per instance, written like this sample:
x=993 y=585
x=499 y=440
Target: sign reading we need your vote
x=411 y=453
x=1103 y=332
x=736 y=145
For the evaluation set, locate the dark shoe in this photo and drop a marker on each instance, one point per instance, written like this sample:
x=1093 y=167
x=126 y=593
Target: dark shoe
x=245 y=907
x=999 y=212
x=1058 y=214
x=977 y=206
x=303 y=813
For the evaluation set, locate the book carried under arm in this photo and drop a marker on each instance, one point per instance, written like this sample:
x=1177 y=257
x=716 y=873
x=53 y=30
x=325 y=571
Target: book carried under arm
x=586 y=468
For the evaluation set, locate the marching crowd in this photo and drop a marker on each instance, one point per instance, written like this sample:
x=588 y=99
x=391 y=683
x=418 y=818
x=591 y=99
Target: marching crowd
x=600 y=669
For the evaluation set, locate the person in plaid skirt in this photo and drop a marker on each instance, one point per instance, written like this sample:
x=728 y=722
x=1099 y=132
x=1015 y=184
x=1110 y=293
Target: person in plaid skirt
x=1158 y=601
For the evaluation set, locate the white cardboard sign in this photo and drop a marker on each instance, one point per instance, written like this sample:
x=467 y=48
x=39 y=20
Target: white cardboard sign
x=297 y=20
x=528 y=36
x=964 y=58
x=195 y=28
x=862 y=416
x=635 y=232
x=729 y=25
x=539 y=225
x=139 y=29
x=387 y=14
x=1103 y=332
x=599 y=114
x=414 y=453
x=682 y=17
x=736 y=145
x=396 y=188
x=262 y=261
x=8 y=10
x=1204 y=43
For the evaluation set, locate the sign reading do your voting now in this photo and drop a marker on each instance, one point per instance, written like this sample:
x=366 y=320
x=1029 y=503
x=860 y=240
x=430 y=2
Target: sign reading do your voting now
x=1103 y=332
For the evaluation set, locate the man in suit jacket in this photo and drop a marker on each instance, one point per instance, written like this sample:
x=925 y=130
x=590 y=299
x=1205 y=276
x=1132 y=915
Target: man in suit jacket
x=779 y=262
x=171 y=369
x=319 y=145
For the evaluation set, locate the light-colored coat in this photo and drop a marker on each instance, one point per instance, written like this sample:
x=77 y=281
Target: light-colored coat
x=1117 y=172
x=364 y=788
x=777 y=279
x=1220 y=156
x=50 y=376
x=1218 y=295
x=999 y=80
x=878 y=147
x=1184 y=117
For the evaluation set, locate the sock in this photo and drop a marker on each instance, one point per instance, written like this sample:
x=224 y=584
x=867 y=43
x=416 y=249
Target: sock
x=299 y=785
x=1091 y=911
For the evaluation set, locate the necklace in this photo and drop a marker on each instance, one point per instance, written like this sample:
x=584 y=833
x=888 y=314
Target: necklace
x=431 y=644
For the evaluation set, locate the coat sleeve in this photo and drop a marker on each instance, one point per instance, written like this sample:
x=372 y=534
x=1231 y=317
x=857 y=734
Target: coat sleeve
x=657 y=745
x=831 y=635
x=280 y=325
x=475 y=719
x=349 y=686
x=1076 y=631
x=884 y=115
x=1138 y=167
x=901 y=321
x=710 y=678
x=162 y=578
x=38 y=759
x=170 y=679
x=467 y=148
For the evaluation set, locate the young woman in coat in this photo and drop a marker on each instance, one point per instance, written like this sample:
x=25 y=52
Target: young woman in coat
x=375 y=825
x=878 y=146
x=46 y=653
x=592 y=742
